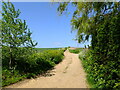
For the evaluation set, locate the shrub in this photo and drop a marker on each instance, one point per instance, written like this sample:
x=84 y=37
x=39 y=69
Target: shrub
x=32 y=65
x=40 y=61
x=100 y=75
x=10 y=76
x=54 y=55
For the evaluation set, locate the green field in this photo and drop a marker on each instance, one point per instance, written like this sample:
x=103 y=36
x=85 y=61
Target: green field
x=76 y=51
x=43 y=49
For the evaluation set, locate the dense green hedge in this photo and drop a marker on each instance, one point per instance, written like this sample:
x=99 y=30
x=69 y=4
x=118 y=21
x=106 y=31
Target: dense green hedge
x=31 y=66
x=100 y=75
x=102 y=62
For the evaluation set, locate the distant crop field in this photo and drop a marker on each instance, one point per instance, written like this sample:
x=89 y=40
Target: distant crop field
x=43 y=49
x=75 y=50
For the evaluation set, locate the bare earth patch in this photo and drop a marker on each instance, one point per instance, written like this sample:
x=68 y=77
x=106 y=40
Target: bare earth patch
x=68 y=74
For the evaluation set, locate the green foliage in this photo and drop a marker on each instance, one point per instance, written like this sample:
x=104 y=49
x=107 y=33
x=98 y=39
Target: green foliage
x=100 y=20
x=9 y=77
x=54 y=55
x=106 y=53
x=15 y=34
x=68 y=46
x=19 y=58
x=65 y=48
x=34 y=64
x=100 y=75
x=87 y=16
x=19 y=53
x=76 y=51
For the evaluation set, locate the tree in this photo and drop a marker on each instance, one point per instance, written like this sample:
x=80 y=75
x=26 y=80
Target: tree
x=100 y=20
x=15 y=32
x=88 y=16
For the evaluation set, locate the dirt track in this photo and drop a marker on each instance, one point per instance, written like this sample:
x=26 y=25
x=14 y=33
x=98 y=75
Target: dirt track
x=68 y=74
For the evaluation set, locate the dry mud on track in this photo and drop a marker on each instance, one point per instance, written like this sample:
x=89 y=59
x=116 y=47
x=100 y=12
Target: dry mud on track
x=67 y=74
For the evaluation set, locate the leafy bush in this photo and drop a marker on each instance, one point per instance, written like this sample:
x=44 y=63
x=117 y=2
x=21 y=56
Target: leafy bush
x=100 y=75
x=54 y=55
x=40 y=61
x=11 y=76
x=31 y=66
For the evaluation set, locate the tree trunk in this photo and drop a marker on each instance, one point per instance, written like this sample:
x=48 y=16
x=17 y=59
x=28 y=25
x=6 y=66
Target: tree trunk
x=10 y=61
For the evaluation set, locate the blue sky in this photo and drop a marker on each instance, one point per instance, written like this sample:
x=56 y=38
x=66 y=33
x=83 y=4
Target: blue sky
x=48 y=28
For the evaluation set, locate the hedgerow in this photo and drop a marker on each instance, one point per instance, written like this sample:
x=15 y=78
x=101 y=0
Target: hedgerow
x=102 y=61
x=34 y=64
x=99 y=75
